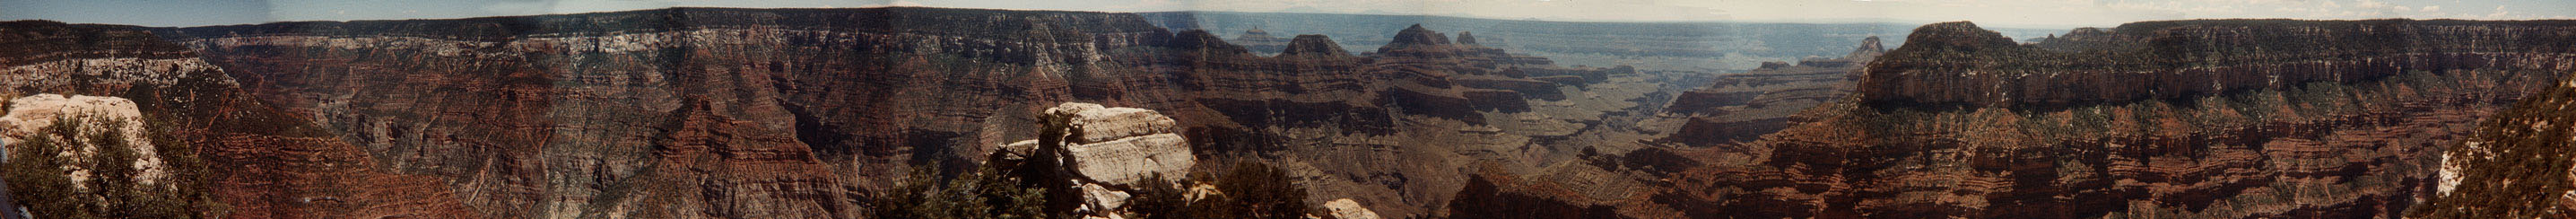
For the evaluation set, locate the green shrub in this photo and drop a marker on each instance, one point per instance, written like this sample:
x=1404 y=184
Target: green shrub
x=36 y=173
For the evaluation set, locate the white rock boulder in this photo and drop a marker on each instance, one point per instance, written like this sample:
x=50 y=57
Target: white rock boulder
x=1123 y=145
x=1348 y=209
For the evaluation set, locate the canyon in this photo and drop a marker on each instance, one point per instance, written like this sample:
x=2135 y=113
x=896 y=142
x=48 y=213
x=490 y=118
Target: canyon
x=277 y=165
x=775 y=112
x=809 y=113
x=2203 y=118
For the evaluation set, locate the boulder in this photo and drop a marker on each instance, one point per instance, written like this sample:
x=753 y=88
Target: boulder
x=1102 y=124
x=1348 y=209
x=1110 y=151
x=1127 y=160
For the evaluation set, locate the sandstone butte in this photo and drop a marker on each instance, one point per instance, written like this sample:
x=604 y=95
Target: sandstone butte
x=797 y=113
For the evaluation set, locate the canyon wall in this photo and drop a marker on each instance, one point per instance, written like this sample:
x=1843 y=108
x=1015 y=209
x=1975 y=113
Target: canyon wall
x=274 y=164
x=2203 y=118
x=798 y=112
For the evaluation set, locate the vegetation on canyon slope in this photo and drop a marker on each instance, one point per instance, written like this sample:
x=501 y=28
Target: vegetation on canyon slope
x=37 y=172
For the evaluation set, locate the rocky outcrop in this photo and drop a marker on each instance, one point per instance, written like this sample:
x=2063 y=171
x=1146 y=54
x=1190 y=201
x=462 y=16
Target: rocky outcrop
x=1119 y=146
x=2167 y=119
x=1109 y=152
x=31 y=114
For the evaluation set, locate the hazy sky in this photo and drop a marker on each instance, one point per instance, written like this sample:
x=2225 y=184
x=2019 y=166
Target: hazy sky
x=2001 y=13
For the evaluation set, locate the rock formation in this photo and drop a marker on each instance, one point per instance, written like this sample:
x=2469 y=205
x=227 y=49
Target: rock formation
x=2203 y=118
x=1119 y=146
x=1314 y=45
x=1110 y=151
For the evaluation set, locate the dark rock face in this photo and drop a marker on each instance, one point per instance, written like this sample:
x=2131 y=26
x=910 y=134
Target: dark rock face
x=600 y=114
x=2154 y=119
x=1955 y=36
x=2187 y=59
x=1416 y=35
x=1466 y=38
x=1314 y=45
x=270 y=163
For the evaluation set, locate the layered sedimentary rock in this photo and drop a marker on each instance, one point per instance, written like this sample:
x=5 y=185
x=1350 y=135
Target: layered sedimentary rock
x=1742 y=107
x=275 y=165
x=1313 y=45
x=1119 y=145
x=1108 y=153
x=2208 y=118
x=1388 y=127
x=584 y=115
x=560 y=118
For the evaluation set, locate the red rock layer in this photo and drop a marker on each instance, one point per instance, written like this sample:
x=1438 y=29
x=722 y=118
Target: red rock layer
x=268 y=164
x=1963 y=126
x=586 y=114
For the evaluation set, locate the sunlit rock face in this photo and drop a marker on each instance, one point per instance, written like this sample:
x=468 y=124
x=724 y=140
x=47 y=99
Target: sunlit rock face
x=2206 y=118
x=1347 y=209
x=274 y=164
x=31 y=114
x=1123 y=145
x=1108 y=153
